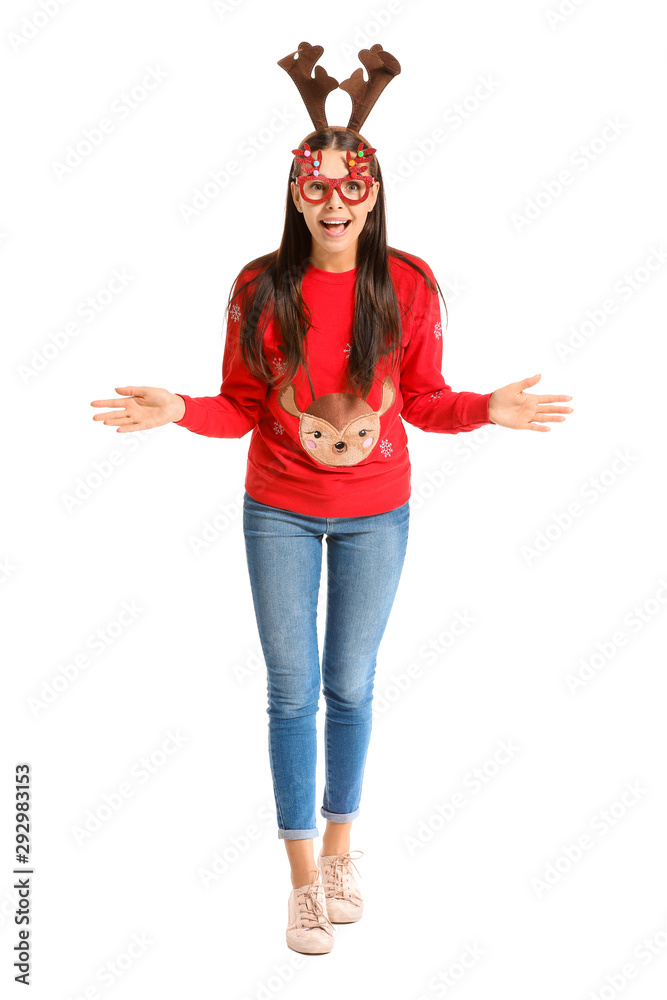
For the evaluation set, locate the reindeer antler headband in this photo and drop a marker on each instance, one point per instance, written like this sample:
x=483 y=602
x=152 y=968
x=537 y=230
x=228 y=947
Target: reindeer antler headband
x=381 y=67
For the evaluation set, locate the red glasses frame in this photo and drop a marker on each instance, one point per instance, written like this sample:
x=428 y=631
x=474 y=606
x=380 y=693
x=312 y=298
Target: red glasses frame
x=334 y=182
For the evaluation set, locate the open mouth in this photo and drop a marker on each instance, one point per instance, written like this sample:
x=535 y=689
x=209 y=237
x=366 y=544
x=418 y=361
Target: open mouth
x=335 y=228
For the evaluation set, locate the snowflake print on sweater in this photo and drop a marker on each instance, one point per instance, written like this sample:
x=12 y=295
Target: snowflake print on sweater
x=385 y=447
x=235 y=313
x=438 y=331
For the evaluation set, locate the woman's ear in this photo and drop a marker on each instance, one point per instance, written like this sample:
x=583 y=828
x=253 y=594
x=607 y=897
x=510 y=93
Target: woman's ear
x=374 y=195
x=295 y=195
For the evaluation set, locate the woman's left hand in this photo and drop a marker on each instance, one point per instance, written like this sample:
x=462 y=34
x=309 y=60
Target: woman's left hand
x=512 y=407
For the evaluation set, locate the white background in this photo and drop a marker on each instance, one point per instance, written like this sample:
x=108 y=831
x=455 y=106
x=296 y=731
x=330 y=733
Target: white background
x=189 y=661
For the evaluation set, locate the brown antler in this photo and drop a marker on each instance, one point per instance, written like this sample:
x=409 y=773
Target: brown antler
x=381 y=67
x=314 y=91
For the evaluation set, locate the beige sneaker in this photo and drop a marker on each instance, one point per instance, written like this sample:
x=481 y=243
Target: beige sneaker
x=344 y=900
x=309 y=929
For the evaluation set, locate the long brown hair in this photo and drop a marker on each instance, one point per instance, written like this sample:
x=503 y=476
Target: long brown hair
x=277 y=285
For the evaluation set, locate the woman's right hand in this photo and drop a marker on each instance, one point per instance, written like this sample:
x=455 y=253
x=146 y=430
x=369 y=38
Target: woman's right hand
x=140 y=408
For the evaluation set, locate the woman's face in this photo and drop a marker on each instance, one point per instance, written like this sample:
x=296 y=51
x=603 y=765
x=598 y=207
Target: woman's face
x=334 y=164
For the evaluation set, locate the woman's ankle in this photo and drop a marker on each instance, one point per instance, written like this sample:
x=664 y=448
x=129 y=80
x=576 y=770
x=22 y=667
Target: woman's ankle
x=330 y=848
x=301 y=856
x=336 y=838
x=302 y=876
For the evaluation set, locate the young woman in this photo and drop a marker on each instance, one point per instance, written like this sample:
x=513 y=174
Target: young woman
x=330 y=340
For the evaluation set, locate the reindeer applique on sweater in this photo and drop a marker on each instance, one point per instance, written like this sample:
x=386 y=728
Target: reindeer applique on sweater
x=339 y=428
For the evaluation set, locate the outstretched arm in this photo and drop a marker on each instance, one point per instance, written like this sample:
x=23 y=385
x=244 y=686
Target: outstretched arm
x=432 y=405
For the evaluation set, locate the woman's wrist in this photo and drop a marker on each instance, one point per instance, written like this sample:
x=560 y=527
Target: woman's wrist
x=491 y=408
x=179 y=407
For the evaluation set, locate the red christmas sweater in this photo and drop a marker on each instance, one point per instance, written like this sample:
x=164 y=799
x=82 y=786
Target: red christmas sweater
x=318 y=450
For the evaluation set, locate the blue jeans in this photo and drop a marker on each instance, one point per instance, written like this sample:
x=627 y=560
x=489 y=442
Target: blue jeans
x=364 y=562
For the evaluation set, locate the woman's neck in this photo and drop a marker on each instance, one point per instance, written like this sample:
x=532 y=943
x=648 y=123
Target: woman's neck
x=334 y=262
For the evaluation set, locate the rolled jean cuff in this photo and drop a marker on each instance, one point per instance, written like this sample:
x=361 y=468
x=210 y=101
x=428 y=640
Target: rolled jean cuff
x=298 y=834
x=340 y=817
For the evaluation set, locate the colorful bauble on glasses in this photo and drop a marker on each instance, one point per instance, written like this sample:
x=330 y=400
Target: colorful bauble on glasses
x=357 y=161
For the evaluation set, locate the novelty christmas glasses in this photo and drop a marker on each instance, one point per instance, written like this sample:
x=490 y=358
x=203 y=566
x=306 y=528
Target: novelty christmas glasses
x=316 y=188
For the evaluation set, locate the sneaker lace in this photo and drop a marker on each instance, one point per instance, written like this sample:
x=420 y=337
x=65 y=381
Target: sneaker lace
x=311 y=911
x=342 y=886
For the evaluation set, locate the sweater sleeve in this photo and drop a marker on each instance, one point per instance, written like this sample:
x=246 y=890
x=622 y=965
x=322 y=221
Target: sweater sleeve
x=242 y=398
x=428 y=402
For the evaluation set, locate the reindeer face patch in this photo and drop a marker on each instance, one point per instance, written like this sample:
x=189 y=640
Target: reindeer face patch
x=339 y=428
